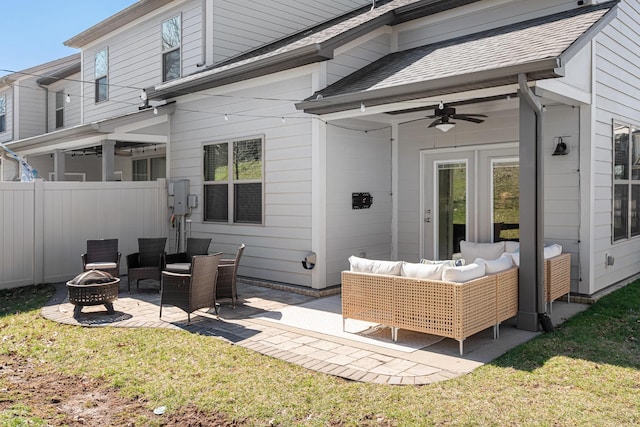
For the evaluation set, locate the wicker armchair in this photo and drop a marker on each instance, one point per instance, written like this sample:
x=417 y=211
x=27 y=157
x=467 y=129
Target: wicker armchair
x=102 y=255
x=147 y=262
x=194 y=291
x=227 y=277
x=181 y=262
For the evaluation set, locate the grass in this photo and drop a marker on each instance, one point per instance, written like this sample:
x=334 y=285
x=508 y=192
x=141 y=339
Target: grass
x=585 y=373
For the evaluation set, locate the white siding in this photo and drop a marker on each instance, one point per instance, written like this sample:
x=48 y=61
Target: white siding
x=274 y=250
x=617 y=92
x=246 y=24
x=70 y=85
x=358 y=57
x=357 y=162
x=474 y=18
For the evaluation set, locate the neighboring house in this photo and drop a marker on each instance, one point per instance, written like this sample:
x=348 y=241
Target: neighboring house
x=280 y=116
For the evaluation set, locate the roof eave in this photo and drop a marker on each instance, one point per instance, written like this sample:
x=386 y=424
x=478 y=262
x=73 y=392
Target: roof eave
x=548 y=68
x=586 y=37
x=60 y=74
x=295 y=58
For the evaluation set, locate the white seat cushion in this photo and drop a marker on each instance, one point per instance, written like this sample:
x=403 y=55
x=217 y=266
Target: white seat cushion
x=178 y=267
x=100 y=265
x=496 y=265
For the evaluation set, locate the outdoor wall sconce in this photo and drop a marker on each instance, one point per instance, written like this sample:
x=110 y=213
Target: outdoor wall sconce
x=562 y=148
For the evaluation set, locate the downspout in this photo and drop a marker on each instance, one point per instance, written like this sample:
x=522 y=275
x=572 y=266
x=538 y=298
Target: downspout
x=46 y=107
x=203 y=35
x=541 y=303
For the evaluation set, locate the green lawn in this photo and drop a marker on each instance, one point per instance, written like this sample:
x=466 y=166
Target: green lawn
x=585 y=373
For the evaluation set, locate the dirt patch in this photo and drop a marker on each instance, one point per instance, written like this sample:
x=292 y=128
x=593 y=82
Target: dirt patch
x=31 y=393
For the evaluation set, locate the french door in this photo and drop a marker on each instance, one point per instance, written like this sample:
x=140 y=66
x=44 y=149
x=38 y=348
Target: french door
x=463 y=198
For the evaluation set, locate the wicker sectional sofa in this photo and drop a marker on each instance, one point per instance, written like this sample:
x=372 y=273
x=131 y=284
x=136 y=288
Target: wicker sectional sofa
x=449 y=309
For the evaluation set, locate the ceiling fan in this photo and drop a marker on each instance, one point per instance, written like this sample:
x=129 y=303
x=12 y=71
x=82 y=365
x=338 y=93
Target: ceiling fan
x=443 y=114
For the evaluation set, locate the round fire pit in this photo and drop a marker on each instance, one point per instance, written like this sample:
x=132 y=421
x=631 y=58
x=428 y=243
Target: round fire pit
x=93 y=287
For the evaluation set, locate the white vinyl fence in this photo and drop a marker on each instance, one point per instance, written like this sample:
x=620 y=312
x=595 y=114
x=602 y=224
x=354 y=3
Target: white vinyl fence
x=44 y=226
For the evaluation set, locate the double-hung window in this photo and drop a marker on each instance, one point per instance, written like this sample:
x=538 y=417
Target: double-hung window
x=233 y=181
x=626 y=181
x=101 y=75
x=3 y=114
x=171 y=40
x=60 y=98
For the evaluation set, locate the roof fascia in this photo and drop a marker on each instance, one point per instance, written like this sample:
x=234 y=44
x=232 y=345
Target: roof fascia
x=114 y=22
x=495 y=77
x=591 y=32
x=60 y=74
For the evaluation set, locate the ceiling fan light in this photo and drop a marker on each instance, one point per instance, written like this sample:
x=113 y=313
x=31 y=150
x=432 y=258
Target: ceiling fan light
x=445 y=126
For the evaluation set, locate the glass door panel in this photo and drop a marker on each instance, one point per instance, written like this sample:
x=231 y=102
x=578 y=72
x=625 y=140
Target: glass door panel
x=506 y=199
x=451 y=207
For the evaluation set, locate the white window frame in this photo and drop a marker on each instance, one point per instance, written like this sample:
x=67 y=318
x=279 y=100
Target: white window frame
x=97 y=77
x=60 y=95
x=633 y=204
x=169 y=50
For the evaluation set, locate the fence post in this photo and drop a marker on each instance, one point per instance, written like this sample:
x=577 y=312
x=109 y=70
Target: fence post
x=38 y=231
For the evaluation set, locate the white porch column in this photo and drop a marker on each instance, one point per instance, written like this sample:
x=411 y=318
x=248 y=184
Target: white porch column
x=108 y=160
x=59 y=165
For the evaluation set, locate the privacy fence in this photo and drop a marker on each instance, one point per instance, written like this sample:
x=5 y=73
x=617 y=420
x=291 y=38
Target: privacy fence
x=45 y=225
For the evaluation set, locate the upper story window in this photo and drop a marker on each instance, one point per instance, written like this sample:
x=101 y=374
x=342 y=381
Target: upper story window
x=3 y=114
x=233 y=181
x=60 y=101
x=171 y=40
x=626 y=181
x=101 y=75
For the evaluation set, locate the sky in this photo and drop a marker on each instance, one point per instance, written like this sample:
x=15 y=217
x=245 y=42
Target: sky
x=36 y=29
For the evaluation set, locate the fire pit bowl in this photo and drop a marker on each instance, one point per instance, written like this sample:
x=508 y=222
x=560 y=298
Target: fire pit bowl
x=93 y=287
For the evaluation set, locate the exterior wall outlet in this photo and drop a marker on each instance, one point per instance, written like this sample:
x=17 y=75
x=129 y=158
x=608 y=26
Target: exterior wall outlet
x=609 y=260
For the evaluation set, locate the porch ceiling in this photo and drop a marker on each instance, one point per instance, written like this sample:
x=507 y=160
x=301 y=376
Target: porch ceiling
x=538 y=48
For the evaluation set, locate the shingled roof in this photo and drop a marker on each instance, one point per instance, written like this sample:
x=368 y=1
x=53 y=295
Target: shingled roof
x=308 y=46
x=538 y=48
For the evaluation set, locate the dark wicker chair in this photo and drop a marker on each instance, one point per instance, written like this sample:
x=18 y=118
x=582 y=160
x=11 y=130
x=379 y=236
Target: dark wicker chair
x=102 y=255
x=191 y=292
x=227 y=277
x=147 y=262
x=181 y=262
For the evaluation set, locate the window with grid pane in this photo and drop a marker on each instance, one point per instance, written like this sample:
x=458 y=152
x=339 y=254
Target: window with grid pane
x=60 y=109
x=233 y=181
x=3 y=114
x=626 y=181
x=101 y=75
x=171 y=39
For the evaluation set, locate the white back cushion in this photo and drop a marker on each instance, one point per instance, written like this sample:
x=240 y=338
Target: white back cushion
x=422 y=271
x=511 y=246
x=496 y=265
x=471 y=250
x=552 y=250
x=364 y=265
x=463 y=273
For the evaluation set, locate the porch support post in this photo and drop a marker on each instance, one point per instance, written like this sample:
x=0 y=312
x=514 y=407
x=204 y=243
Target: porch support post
x=58 y=165
x=108 y=160
x=531 y=298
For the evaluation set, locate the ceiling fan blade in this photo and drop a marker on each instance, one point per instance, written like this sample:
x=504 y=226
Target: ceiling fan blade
x=435 y=123
x=470 y=119
x=471 y=115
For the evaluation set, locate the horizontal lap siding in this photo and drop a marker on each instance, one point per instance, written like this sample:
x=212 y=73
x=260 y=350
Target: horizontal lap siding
x=461 y=22
x=357 y=162
x=243 y=25
x=274 y=249
x=617 y=50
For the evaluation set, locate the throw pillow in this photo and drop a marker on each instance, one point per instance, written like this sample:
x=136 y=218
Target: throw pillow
x=496 y=265
x=422 y=271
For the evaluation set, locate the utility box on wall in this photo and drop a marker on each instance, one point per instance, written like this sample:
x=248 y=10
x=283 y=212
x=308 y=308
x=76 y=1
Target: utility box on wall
x=361 y=200
x=178 y=196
